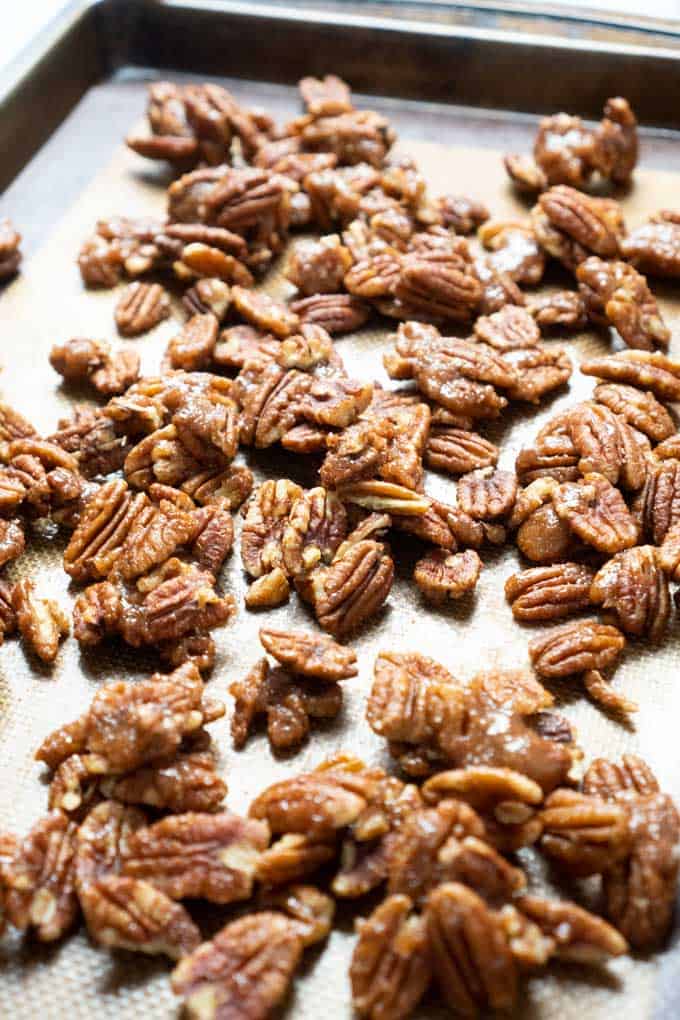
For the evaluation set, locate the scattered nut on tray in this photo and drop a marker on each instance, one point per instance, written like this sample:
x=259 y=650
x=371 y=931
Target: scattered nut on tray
x=146 y=487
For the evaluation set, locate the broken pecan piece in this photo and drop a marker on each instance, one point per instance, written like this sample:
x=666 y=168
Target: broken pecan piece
x=310 y=909
x=264 y=312
x=578 y=936
x=584 y=835
x=41 y=622
x=266 y=517
x=390 y=968
x=442 y=575
x=315 y=528
x=563 y=308
x=574 y=648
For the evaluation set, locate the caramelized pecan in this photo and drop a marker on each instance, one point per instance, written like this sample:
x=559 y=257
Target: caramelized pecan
x=442 y=575
x=616 y=294
x=574 y=648
x=634 y=587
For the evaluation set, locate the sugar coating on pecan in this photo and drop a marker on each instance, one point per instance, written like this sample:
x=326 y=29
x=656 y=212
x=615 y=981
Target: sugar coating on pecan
x=633 y=586
x=616 y=294
x=575 y=648
x=596 y=512
x=562 y=308
x=654 y=247
x=458 y=451
x=648 y=370
x=571 y=225
x=515 y=251
x=42 y=623
x=307 y=654
x=509 y=329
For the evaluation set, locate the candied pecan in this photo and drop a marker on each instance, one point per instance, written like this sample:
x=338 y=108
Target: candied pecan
x=245 y=970
x=574 y=648
x=461 y=214
x=385 y=497
x=318 y=266
x=13 y=425
x=209 y=295
x=141 y=307
x=471 y=959
x=41 y=622
x=457 y=451
x=102 y=841
x=515 y=250
x=39 y=880
x=506 y=801
x=386 y=441
x=213 y=538
x=315 y=528
x=306 y=654
x=105 y=522
x=12 y=541
x=268 y=591
x=550 y=592
x=538 y=371
x=442 y=575
x=351 y=588
x=641 y=410
x=78 y=358
x=183 y=782
x=266 y=518
x=607 y=445
x=634 y=587
x=155 y=535
x=8 y=848
x=230 y=486
x=293 y=857
x=202 y=856
x=205 y=260
x=10 y=255
x=60 y=744
x=390 y=968
x=415 y=701
x=356 y=136
x=584 y=835
x=509 y=329
x=596 y=512
x=660 y=501
x=552 y=456
x=571 y=225
x=446 y=844
x=649 y=370
x=577 y=935
x=130 y=724
x=310 y=909
x=563 y=308
x=73 y=786
x=97 y=613
x=612 y=781
x=264 y=312
x=314 y=804
x=654 y=248
x=616 y=294
x=565 y=150
x=239 y=344
x=337 y=313
x=484 y=496
x=192 y=348
x=375 y=275
x=640 y=891
x=325 y=96
x=600 y=690
x=101 y=262
x=525 y=173
x=436 y=286
x=124 y=913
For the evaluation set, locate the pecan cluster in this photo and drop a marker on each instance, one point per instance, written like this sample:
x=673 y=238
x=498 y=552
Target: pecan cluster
x=302 y=686
x=568 y=152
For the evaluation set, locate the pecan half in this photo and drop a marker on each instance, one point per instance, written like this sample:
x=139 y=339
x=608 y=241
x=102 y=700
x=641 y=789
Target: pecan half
x=314 y=804
x=578 y=936
x=654 y=248
x=294 y=857
x=315 y=528
x=39 y=879
x=596 y=512
x=486 y=496
x=634 y=587
x=390 y=968
x=660 y=501
x=264 y=312
x=10 y=255
x=102 y=841
x=515 y=251
x=549 y=593
x=200 y=856
x=336 y=313
x=571 y=225
x=313 y=655
x=457 y=451
x=310 y=909
x=266 y=517
x=574 y=648
x=269 y=591
x=509 y=329
x=245 y=970
x=470 y=955
x=563 y=308
x=140 y=307
x=124 y=913
x=649 y=370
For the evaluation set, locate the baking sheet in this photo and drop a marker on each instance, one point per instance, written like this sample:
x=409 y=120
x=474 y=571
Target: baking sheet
x=48 y=303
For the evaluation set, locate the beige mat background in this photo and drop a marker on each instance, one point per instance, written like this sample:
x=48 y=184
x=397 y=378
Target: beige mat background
x=47 y=303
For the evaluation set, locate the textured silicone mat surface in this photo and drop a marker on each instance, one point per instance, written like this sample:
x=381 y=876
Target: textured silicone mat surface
x=48 y=303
